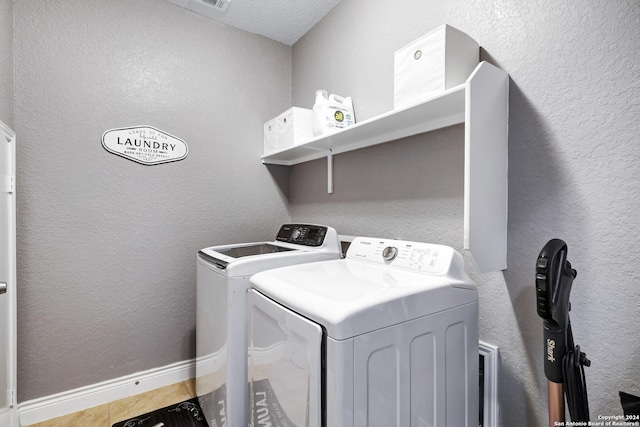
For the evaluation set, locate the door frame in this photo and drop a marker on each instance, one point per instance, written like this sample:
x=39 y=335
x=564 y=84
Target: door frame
x=9 y=416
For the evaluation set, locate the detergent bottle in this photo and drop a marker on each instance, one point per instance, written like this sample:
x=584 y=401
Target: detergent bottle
x=331 y=113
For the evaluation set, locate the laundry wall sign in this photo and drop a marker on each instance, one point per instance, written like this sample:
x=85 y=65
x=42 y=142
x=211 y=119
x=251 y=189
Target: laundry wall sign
x=144 y=144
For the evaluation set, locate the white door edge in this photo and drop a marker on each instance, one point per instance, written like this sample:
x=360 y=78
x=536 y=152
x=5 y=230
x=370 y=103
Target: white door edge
x=9 y=414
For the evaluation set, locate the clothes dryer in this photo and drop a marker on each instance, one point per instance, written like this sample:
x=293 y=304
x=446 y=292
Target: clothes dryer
x=223 y=274
x=386 y=337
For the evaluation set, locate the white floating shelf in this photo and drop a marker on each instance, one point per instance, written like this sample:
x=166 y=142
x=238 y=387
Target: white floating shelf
x=442 y=111
x=482 y=104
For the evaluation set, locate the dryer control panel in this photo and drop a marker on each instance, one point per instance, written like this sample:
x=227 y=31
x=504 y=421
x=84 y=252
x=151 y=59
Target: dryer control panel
x=302 y=234
x=423 y=257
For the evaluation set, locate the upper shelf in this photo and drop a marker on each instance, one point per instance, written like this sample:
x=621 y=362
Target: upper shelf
x=482 y=104
x=444 y=110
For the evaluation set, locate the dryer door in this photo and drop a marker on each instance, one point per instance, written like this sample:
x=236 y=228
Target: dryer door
x=284 y=366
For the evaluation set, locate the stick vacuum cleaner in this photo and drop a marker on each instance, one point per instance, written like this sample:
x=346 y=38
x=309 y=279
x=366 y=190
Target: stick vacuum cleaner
x=563 y=361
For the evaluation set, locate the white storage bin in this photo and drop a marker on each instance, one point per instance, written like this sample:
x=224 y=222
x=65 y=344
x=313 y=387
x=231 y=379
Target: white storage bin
x=437 y=61
x=294 y=127
x=290 y=128
x=270 y=136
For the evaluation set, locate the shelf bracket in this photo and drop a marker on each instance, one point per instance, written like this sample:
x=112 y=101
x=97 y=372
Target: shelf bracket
x=329 y=171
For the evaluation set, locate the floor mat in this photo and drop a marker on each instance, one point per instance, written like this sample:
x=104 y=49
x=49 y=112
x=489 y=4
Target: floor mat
x=184 y=414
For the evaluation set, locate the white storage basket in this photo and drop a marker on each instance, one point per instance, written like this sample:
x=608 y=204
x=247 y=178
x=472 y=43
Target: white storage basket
x=437 y=61
x=290 y=128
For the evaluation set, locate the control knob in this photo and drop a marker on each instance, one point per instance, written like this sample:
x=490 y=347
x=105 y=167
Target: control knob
x=389 y=253
x=295 y=234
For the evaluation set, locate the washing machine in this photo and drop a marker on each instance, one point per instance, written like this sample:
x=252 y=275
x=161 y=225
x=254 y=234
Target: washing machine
x=387 y=336
x=223 y=274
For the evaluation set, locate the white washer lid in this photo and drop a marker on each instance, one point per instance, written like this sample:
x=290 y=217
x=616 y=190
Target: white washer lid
x=359 y=294
x=247 y=265
x=231 y=265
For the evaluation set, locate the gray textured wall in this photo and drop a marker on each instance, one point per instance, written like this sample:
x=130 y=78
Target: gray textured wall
x=6 y=62
x=106 y=246
x=574 y=169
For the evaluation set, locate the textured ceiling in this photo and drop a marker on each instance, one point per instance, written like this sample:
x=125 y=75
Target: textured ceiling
x=281 y=20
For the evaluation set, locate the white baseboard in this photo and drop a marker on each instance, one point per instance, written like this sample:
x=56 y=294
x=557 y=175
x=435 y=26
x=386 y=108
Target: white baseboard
x=68 y=402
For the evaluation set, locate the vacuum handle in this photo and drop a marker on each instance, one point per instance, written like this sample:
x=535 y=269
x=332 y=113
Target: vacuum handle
x=555 y=350
x=554 y=277
x=548 y=276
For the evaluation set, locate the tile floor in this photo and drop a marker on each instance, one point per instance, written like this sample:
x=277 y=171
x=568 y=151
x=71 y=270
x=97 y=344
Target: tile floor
x=120 y=410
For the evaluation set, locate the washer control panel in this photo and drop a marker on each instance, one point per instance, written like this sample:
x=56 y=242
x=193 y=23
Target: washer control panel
x=302 y=234
x=423 y=257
